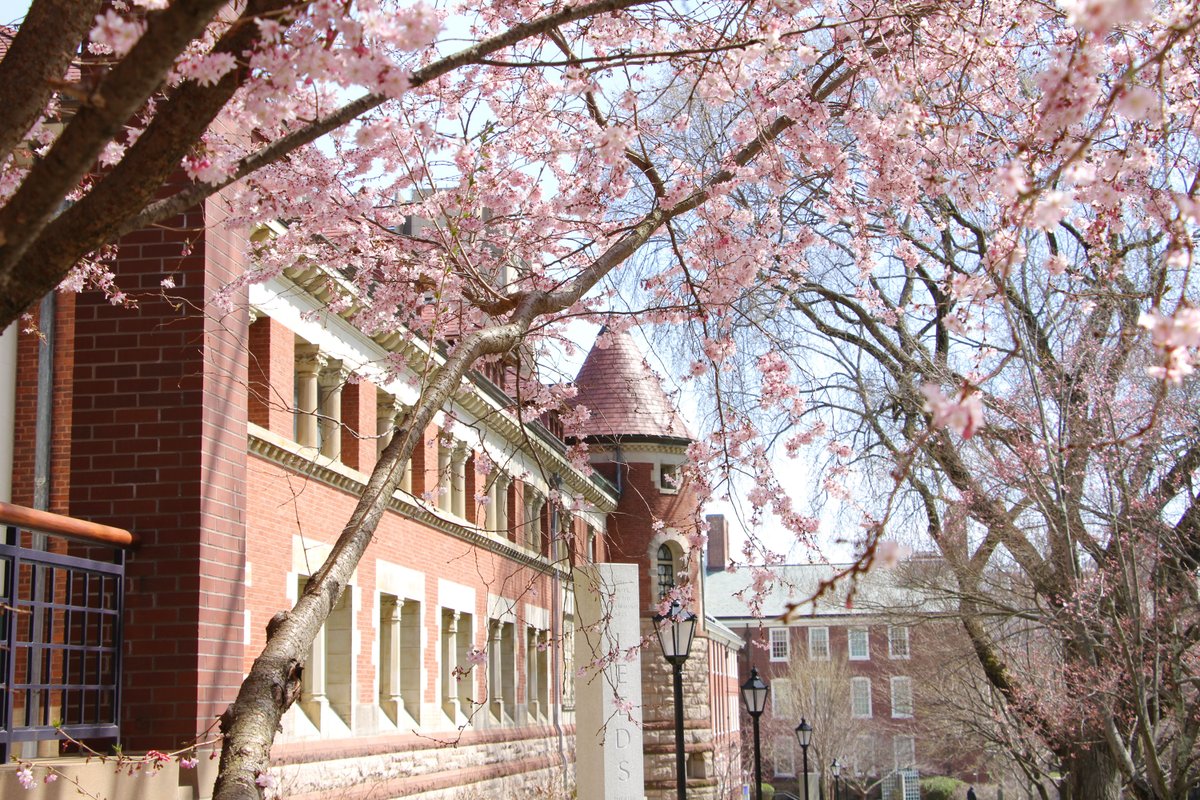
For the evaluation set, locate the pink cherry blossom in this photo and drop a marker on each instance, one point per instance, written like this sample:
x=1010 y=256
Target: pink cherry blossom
x=964 y=415
x=115 y=33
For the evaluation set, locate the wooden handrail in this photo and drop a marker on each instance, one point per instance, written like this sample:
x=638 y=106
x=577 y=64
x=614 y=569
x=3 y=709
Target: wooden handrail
x=59 y=525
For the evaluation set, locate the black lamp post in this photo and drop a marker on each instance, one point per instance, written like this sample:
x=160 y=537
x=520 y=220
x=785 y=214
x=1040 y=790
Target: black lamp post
x=836 y=769
x=804 y=737
x=754 y=694
x=675 y=630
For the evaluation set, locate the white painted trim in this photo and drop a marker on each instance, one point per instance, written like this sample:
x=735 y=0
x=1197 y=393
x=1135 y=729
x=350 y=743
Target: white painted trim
x=456 y=597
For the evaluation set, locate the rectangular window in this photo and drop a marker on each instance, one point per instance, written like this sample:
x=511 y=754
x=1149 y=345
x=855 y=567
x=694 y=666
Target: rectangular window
x=780 y=644
x=456 y=644
x=669 y=478
x=860 y=698
x=537 y=673
x=860 y=648
x=783 y=699
x=818 y=644
x=326 y=681
x=533 y=518
x=897 y=641
x=902 y=698
x=905 y=750
x=400 y=636
x=784 y=757
x=501 y=658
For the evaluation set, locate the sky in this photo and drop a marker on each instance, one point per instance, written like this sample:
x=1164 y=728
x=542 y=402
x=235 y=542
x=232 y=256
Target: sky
x=13 y=10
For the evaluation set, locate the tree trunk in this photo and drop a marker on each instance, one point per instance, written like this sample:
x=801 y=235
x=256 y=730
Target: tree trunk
x=1091 y=773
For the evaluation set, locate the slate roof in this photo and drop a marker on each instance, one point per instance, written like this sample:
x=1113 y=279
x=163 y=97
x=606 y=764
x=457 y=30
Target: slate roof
x=729 y=594
x=624 y=396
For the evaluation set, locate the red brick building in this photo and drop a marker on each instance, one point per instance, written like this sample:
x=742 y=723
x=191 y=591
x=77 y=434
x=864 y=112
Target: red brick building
x=857 y=672
x=233 y=443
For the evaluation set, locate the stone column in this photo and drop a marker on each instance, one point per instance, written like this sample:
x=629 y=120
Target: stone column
x=309 y=364
x=495 y=667
x=532 y=690
x=533 y=519
x=314 y=697
x=500 y=501
x=450 y=670
x=393 y=699
x=489 y=511
x=444 y=482
x=333 y=378
x=388 y=414
x=458 y=481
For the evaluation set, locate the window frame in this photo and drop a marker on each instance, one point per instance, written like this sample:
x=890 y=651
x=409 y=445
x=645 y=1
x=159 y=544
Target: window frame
x=660 y=577
x=866 y=639
x=860 y=680
x=893 y=652
x=786 y=640
x=828 y=651
x=783 y=698
x=783 y=745
x=905 y=681
x=665 y=469
x=910 y=749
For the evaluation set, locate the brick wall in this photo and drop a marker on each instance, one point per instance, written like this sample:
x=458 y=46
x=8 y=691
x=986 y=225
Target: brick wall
x=359 y=420
x=630 y=526
x=159 y=432
x=284 y=505
x=272 y=376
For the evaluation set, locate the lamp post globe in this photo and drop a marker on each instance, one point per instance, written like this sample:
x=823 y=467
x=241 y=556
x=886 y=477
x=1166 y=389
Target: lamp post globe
x=836 y=769
x=754 y=695
x=675 y=630
x=804 y=733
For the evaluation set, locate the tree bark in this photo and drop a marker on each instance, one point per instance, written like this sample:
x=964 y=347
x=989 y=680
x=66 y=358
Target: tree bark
x=1091 y=773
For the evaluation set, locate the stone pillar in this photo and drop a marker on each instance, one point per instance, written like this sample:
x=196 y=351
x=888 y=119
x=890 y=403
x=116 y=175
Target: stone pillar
x=444 y=482
x=608 y=737
x=309 y=363
x=450 y=670
x=458 y=481
x=314 y=697
x=533 y=519
x=332 y=379
x=495 y=670
x=502 y=489
x=389 y=656
x=489 y=511
x=532 y=689
x=388 y=414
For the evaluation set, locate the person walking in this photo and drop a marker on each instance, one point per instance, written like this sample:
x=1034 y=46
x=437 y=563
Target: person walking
x=971 y=793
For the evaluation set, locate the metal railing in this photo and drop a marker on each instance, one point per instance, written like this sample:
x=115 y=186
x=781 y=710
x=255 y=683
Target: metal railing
x=62 y=585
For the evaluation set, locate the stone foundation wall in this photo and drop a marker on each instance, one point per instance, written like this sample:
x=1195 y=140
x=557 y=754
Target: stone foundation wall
x=658 y=701
x=499 y=765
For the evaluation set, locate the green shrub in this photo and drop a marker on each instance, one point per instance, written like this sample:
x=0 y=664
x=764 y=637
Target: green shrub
x=768 y=791
x=940 y=787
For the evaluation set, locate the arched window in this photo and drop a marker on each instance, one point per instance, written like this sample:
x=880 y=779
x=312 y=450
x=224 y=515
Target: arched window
x=665 y=564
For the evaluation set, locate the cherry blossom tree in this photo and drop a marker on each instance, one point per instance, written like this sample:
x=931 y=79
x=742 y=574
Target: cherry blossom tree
x=745 y=165
x=981 y=314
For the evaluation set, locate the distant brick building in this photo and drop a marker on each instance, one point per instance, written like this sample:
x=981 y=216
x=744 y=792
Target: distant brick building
x=233 y=445
x=857 y=672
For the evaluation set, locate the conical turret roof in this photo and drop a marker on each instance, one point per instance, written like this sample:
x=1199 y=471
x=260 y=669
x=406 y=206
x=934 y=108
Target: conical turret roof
x=623 y=394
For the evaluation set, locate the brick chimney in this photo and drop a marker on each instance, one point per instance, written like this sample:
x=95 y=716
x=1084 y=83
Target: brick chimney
x=718 y=542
